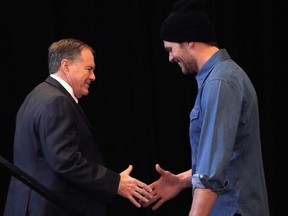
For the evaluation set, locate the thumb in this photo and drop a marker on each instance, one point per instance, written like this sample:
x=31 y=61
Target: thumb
x=159 y=169
x=129 y=169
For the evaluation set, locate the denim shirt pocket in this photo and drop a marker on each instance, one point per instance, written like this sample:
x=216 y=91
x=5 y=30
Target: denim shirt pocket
x=195 y=122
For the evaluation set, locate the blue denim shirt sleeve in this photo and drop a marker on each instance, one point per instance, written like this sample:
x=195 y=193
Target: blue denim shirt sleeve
x=202 y=181
x=215 y=122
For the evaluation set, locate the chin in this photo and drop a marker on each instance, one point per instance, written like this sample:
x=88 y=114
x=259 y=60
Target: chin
x=184 y=71
x=85 y=93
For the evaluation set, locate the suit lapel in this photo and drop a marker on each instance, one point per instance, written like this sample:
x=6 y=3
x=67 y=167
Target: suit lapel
x=56 y=84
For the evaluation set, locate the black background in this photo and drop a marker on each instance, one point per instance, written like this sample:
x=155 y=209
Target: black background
x=139 y=103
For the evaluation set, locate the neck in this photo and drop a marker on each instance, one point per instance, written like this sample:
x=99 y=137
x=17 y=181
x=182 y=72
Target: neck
x=205 y=52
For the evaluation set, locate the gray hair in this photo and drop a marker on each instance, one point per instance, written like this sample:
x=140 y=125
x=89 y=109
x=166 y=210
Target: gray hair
x=68 y=48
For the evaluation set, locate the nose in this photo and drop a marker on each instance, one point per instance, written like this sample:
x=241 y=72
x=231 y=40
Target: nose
x=171 y=57
x=92 y=76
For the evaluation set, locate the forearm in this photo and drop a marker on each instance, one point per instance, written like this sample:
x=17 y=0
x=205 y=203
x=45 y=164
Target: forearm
x=185 y=179
x=203 y=202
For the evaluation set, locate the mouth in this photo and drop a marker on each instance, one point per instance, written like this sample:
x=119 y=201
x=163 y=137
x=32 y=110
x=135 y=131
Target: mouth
x=179 y=63
x=87 y=85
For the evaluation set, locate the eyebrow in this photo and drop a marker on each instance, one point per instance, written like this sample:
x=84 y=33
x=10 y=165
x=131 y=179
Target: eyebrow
x=90 y=67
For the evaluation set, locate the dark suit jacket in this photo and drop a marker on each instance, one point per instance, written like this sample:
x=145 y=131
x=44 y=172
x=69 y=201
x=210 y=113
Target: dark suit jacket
x=55 y=144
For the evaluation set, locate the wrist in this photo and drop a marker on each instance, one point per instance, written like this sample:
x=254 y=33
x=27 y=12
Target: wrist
x=185 y=179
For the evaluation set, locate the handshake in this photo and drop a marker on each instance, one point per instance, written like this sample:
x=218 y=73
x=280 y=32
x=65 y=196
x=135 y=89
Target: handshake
x=165 y=188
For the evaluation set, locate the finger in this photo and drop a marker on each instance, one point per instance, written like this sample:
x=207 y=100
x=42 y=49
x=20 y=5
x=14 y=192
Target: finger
x=140 y=184
x=158 y=204
x=154 y=199
x=153 y=185
x=144 y=192
x=147 y=188
x=134 y=201
x=144 y=186
x=154 y=193
x=141 y=198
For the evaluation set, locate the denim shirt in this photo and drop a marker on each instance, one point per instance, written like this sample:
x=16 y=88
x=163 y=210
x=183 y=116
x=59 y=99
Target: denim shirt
x=225 y=139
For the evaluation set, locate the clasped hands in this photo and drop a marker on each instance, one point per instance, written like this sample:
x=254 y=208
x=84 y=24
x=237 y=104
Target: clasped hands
x=141 y=194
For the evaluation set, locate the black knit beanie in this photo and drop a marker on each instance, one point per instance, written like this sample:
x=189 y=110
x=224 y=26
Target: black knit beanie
x=188 y=21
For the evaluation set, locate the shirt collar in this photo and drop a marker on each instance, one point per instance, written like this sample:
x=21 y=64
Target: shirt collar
x=201 y=76
x=65 y=85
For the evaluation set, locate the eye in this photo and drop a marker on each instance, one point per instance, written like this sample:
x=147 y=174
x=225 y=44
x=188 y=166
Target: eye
x=90 y=69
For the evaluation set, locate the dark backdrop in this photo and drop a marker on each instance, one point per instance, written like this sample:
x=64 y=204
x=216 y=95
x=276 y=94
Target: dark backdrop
x=140 y=103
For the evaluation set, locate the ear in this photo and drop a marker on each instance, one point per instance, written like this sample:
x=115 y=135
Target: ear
x=65 y=66
x=190 y=44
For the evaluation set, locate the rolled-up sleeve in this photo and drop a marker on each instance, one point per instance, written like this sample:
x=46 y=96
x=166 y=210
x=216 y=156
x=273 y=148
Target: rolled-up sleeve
x=201 y=181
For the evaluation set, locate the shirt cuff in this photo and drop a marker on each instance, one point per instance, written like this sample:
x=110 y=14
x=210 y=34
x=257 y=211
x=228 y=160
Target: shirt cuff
x=202 y=181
